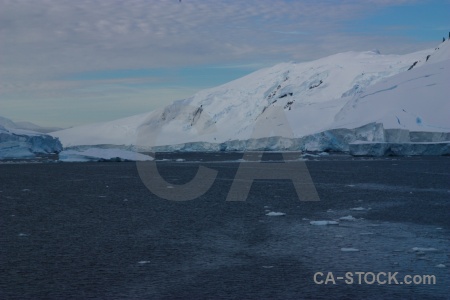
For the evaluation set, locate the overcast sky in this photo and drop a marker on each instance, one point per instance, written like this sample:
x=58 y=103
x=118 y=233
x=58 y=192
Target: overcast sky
x=70 y=62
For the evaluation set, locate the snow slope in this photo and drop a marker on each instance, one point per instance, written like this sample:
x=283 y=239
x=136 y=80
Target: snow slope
x=7 y=123
x=417 y=100
x=37 y=128
x=117 y=132
x=324 y=104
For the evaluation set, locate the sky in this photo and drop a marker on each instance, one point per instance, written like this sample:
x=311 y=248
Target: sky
x=66 y=63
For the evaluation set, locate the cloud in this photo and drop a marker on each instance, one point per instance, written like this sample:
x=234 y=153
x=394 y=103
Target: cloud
x=61 y=35
x=45 y=42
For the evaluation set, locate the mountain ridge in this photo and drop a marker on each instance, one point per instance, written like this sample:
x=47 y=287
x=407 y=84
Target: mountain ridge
x=311 y=94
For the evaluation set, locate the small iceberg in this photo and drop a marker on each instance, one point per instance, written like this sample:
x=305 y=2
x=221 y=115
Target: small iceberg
x=358 y=208
x=267 y=267
x=275 y=214
x=349 y=250
x=347 y=218
x=321 y=223
x=419 y=249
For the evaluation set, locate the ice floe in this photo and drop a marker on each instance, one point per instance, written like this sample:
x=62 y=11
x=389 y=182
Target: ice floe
x=102 y=154
x=275 y=214
x=347 y=218
x=321 y=223
x=420 y=249
x=349 y=250
x=358 y=208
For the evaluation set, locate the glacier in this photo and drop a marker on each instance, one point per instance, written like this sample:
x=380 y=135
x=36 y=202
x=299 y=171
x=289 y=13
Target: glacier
x=368 y=140
x=362 y=103
x=20 y=144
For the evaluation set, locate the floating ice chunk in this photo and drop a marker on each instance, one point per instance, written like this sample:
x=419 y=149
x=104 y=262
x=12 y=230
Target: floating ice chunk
x=305 y=219
x=358 y=208
x=22 y=234
x=441 y=266
x=142 y=262
x=321 y=223
x=25 y=190
x=419 y=249
x=169 y=187
x=267 y=267
x=98 y=154
x=349 y=250
x=347 y=218
x=329 y=210
x=180 y=159
x=309 y=154
x=275 y=214
x=350 y=185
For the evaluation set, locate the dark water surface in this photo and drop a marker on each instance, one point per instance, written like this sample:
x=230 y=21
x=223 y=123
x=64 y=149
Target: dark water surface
x=93 y=230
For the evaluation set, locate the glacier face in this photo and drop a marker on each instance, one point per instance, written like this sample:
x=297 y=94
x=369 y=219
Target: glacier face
x=368 y=140
x=327 y=104
x=17 y=143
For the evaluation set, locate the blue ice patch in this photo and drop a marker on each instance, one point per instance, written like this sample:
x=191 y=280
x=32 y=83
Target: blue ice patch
x=418 y=120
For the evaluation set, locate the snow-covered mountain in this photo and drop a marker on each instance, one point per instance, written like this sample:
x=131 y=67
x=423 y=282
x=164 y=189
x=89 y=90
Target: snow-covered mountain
x=34 y=127
x=20 y=143
x=417 y=100
x=7 y=123
x=347 y=90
